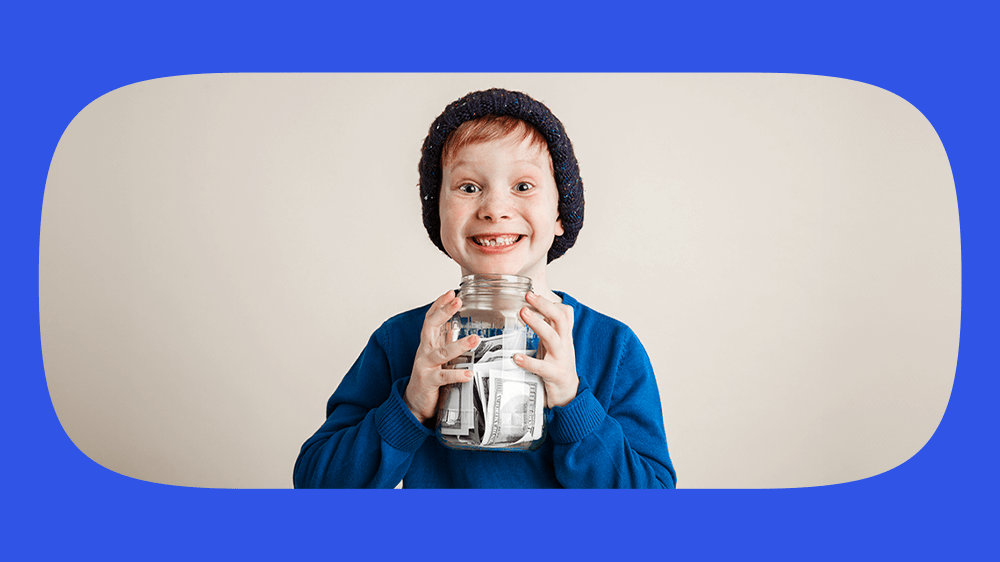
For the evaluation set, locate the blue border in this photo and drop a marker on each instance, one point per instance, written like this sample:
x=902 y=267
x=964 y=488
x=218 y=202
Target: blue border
x=59 y=57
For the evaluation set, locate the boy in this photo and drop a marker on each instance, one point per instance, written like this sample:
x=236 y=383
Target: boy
x=501 y=194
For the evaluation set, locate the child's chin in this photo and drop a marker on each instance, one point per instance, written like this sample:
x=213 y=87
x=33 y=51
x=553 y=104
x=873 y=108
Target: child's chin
x=491 y=269
x=493 y=272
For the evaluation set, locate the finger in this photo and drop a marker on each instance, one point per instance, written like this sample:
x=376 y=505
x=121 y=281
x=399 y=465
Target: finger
x=439 y=313
x=443 y=354
x=550 y=338
x=450 y=376
x=560 y=315
x=446 y=296
x=541 y=368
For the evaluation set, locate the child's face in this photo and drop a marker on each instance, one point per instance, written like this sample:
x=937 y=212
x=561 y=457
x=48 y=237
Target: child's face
x=499 y=208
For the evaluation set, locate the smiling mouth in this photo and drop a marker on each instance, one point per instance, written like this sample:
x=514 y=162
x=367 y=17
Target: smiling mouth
x=497 y=241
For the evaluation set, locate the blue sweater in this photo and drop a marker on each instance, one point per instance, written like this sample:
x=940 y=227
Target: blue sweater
x=610 y=436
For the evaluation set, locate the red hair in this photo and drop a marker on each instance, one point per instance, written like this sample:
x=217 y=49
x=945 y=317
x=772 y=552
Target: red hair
x=490 y=128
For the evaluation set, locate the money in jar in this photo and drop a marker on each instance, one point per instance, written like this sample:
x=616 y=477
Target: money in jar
x=503 y=407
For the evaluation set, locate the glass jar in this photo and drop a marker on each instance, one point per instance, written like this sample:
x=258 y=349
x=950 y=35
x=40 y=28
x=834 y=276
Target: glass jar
x=503 y=406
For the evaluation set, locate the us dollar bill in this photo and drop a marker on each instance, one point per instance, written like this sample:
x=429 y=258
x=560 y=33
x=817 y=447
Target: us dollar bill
x=503 y=404
x=457 y=409
x=515 y=409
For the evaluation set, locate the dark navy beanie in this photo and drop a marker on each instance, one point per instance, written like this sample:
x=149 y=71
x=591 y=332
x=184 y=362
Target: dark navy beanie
x=501 y=102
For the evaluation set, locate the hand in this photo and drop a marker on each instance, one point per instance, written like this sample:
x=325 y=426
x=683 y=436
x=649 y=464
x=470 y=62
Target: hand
x=558 y=366
x=428 y=377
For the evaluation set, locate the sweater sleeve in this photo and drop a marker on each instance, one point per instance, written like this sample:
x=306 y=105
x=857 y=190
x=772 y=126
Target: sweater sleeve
x=370 y=436
x=622 y=444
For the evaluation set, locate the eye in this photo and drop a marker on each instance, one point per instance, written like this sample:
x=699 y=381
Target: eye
x=523 y=186
x=468 y=188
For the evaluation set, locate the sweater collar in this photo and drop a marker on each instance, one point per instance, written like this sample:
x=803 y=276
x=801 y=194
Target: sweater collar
x=566 y=299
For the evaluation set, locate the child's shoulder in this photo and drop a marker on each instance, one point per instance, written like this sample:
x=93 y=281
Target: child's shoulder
x=402 y=331
x=594 y=323
x=405 y=321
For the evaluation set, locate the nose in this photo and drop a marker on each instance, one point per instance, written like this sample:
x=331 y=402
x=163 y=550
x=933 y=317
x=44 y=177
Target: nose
x=495 y=205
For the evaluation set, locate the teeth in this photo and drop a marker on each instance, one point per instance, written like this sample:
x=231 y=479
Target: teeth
x=497 y=241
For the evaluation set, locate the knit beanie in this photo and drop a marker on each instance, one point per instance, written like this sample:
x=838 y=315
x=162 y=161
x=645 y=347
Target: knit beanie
x=501 y=102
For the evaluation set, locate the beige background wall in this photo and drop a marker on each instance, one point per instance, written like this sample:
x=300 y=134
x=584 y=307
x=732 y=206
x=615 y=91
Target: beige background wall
x=216 y=249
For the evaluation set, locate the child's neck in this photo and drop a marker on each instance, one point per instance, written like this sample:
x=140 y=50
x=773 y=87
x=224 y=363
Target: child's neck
x=542 y=289
x=545 y=293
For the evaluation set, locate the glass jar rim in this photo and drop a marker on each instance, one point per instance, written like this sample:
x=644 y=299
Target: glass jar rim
x=494 y=277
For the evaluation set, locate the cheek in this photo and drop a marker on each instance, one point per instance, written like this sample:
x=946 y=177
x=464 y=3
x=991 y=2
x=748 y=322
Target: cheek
x=448 y=237
x=450 y=220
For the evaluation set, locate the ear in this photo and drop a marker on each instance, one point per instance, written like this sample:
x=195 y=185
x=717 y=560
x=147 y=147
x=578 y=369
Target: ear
x=559 y=228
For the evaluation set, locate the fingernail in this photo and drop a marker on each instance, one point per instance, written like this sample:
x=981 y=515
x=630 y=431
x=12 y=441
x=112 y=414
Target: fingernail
x=527 y=312
x=473 y=340
x=518 y=358
x=468 y=374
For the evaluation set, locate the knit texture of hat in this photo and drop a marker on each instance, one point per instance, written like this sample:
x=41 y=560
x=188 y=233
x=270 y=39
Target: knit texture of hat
x=501 y=102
